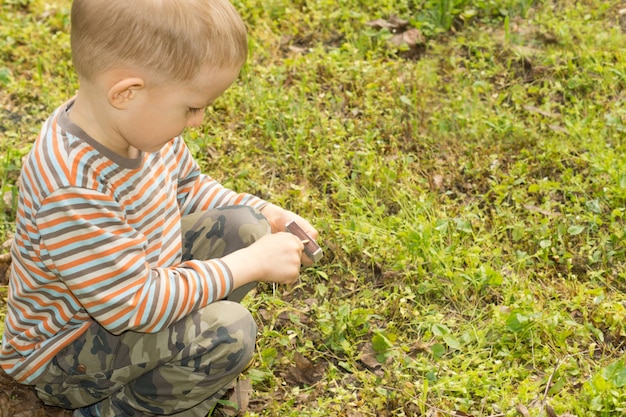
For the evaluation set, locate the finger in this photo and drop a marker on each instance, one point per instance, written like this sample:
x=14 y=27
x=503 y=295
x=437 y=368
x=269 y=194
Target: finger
x=306 y=261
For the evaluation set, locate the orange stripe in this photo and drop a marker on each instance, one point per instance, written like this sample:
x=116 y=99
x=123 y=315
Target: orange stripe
x=41 y=301
x=34 y=270
x=142 y=307
x=123 y=180
x=53 y=351
x=101 y=277
x=41 y=318
x=57 y=154
x=67 y=195
x=77 y=160
x=60 y=221
x=72 y=239
x=111 y=295
x=117 y=316
x=171 y=254
x=27 y=279
x=211 y=196
x=205 y=294
x=149 y=209
x=44 y=177
x=146 y=186
x=238 y=199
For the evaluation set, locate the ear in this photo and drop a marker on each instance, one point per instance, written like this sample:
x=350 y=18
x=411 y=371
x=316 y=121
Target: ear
x=124 y=91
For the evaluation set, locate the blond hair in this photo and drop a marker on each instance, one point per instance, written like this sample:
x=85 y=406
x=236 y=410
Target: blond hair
x=170 y=39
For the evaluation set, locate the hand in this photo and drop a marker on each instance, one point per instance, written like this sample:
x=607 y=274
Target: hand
x=281 y=253
x=279 y=217
x=272 y=258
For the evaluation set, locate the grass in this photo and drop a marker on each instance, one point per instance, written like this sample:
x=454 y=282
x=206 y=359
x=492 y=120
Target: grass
x=470 y=196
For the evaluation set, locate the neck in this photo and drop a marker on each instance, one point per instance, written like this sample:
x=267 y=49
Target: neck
x=92 y=117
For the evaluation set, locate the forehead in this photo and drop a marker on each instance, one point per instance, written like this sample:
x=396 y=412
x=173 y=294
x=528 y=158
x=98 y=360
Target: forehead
x=207 y=85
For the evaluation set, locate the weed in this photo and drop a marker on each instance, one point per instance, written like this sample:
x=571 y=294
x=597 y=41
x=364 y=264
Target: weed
x=470 y=201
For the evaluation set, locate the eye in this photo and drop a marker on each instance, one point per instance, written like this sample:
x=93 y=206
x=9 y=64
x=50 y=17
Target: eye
x=195 y=110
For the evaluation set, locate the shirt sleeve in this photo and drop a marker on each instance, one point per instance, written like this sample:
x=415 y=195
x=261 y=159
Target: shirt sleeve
x=86 y=243
x=198 y=191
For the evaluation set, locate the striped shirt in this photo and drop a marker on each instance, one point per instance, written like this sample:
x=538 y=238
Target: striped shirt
x=98 y=238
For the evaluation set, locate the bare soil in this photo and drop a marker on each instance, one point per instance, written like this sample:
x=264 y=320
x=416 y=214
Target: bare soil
x=18 y=400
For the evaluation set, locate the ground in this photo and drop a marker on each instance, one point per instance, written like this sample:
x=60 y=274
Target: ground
x=18 y=400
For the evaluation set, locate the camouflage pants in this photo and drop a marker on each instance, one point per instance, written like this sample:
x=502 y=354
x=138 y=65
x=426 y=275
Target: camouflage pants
x=182 y=370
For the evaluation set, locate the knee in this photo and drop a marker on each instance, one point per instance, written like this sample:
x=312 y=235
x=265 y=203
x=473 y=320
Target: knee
x=244 y=224
x=246 y=330
x=235 y=334
x=238 y=318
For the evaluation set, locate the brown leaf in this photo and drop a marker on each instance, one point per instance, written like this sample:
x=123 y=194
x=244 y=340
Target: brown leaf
x=437 y=181
x=304 y=372
x=370 y=361
x=368 y=357
x=558 y=128
x=8 y=243
x=521 y=408
x=393 y=24
x=420 y=346
x=535 y=109
x=288 y=318
x=239 y=396
x=298 y=49
x=264 y=315
x=536 y=209
x=550 y=411
x=411 y=38
x=8 y=199
x=212 y=153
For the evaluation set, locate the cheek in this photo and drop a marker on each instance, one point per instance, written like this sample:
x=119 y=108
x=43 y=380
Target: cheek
x=174 y=127
x=158 y=127
x=195 y=120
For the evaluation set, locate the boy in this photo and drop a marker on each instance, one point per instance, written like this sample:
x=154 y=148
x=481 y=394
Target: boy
x=128 y=262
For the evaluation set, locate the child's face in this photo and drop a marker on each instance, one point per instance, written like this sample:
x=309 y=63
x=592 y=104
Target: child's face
x=160 y=113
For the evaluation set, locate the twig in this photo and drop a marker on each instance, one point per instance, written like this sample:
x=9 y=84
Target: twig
x=521 y=408
x=558 y=365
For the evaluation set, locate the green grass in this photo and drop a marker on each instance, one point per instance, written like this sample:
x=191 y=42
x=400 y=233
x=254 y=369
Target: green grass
x=471 y=198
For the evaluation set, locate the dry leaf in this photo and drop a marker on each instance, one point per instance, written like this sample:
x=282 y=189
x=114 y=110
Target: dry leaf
x=535 y=109
x=240 y=395
x=304 y=372
x=550 y=411
x=393 y=24
x=420 y=346
x=522 y=410
x=536 y=209
x=7 y=243
x=368 y=357
x=8 y=199
x=437 y=181
x=411 y=37
x=558 y=128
